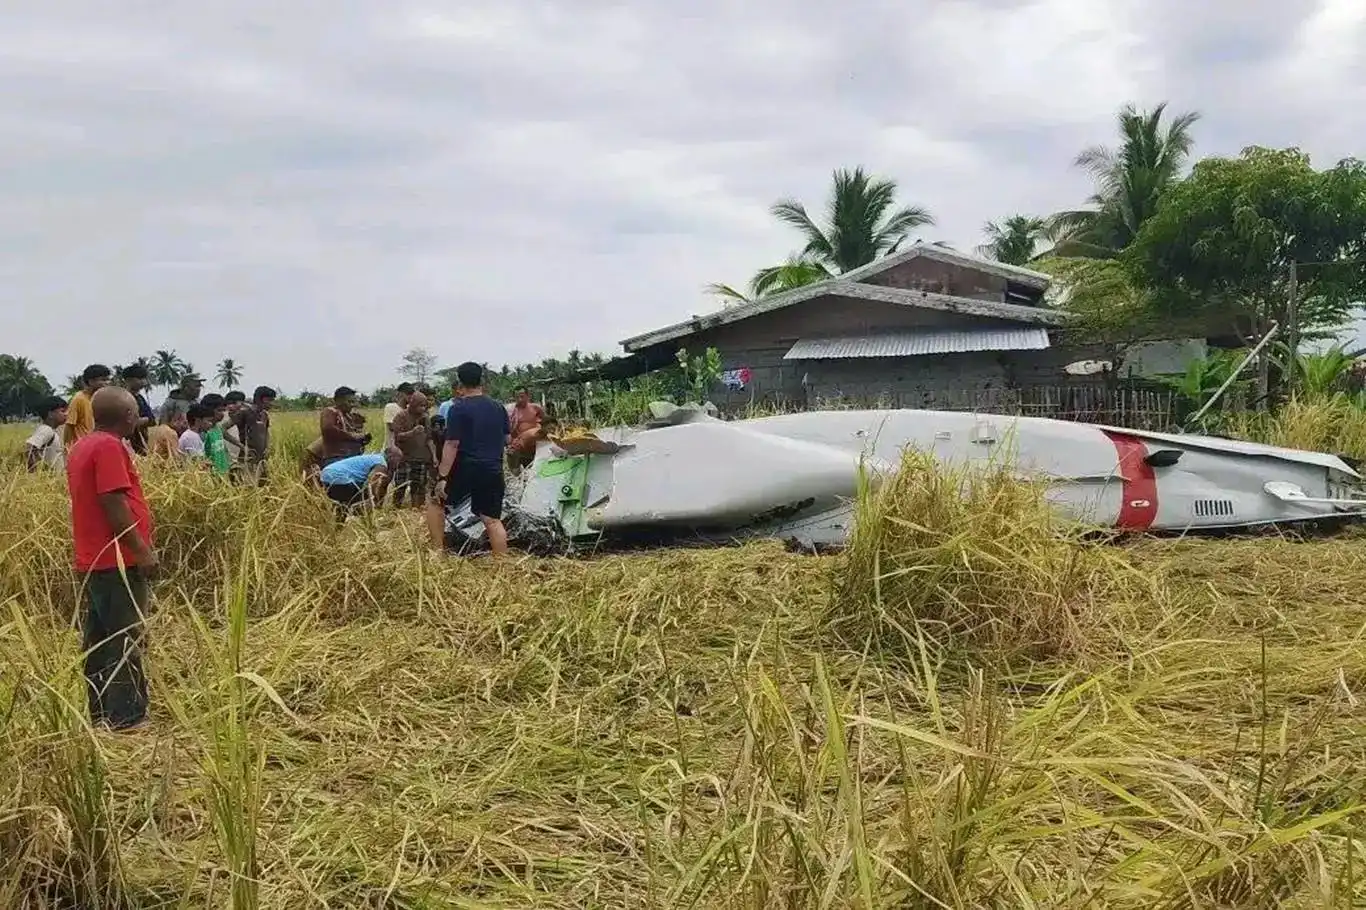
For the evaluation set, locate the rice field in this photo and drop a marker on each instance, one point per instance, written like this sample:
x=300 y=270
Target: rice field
x=973 y=707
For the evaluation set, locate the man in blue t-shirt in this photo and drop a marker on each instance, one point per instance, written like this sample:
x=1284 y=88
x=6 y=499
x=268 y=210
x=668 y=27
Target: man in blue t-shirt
x=476 y=440
x=360 y=479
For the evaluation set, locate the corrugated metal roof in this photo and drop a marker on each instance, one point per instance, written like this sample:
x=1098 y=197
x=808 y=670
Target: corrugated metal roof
x=856 y=290
x=914 y=344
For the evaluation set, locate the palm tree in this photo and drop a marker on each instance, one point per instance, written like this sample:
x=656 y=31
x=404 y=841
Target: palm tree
x=1130 y=182
x=730 y=294
x=862 y=224
x=229 y=373
x=776 y=279
x=167 y=368
x=22 y=387
x=1014 y=240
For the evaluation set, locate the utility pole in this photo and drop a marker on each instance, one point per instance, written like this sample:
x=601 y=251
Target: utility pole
x=1292 y=325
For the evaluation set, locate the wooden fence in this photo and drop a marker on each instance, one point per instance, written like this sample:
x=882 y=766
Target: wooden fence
x=1140 y=408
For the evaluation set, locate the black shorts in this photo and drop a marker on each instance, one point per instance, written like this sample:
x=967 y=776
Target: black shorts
x=346 y=494
x=482 y=486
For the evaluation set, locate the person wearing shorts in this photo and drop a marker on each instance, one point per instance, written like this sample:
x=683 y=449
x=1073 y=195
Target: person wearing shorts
x=354 y=482
x=476 y=437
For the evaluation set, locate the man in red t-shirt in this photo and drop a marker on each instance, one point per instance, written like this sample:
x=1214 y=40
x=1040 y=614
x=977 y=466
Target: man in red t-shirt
x=111 y=527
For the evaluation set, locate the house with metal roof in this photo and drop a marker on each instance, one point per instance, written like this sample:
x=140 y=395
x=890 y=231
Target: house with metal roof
x=916 y=327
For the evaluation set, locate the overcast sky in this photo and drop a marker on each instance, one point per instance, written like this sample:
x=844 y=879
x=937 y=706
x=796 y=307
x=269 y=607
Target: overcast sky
x=314 y=187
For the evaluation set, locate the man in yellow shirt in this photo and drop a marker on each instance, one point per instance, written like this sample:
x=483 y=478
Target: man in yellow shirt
x=80 y=416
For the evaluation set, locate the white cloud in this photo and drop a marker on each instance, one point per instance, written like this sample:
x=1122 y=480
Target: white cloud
x=1046 y=61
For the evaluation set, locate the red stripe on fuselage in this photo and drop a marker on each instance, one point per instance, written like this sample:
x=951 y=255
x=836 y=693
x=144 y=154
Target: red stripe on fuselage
x=1138 y=506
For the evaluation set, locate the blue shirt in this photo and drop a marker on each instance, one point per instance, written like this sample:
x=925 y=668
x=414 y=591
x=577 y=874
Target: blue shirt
x=480 y=425
x=444 y=409
x=355 y=469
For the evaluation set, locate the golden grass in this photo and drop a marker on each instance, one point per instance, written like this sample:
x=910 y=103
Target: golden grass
x=1333 y=424
x=344 y=719
x=980 y=556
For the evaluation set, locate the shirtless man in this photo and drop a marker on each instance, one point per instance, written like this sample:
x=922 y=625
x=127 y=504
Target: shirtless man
x=526 y=417
x=342 y=427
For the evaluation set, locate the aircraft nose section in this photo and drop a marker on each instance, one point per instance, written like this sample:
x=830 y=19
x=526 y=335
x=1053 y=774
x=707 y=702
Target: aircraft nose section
x=718 y=474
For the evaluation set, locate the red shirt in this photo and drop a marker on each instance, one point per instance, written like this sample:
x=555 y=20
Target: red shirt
x=97 y=464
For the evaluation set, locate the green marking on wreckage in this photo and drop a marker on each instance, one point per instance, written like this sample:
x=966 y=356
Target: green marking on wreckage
x=572 y=471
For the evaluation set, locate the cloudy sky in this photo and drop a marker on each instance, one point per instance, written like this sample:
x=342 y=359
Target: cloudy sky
x=313 y=187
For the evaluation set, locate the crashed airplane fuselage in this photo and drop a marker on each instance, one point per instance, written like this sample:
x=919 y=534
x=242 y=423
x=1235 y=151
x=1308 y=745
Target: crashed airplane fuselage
x=795 y=476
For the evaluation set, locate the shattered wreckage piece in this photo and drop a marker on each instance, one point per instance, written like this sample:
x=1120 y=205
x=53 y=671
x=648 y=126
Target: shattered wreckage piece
x=689 y=477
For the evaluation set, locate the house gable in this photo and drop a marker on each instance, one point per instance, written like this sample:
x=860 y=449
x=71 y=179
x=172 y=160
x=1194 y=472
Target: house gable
x=953 y=280
x=927 y=253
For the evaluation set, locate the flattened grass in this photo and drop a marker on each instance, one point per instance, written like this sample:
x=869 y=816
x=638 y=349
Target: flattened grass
x=342 y=719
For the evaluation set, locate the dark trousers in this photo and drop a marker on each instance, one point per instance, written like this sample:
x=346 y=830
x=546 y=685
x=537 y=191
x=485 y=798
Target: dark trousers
x=346 y=497
x=114 y=638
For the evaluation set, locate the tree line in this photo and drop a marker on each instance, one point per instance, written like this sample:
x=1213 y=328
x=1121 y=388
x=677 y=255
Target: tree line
x=23 y=386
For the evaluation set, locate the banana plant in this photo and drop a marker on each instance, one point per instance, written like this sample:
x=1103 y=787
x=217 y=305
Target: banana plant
x=1204 y=377
x=1201 y=380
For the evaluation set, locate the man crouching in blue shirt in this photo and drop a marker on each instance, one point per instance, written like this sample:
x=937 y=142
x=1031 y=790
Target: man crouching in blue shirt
x=359 y=481
x=476 y=440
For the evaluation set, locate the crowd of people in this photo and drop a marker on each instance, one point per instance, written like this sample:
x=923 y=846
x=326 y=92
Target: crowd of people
x=227 y=434
x=458 y=455
x=230 y=436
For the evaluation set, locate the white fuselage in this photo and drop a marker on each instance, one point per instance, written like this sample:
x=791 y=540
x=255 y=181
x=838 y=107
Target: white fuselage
x=795 y=475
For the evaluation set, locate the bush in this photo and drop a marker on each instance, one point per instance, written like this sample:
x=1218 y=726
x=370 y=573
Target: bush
x=977 y=555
